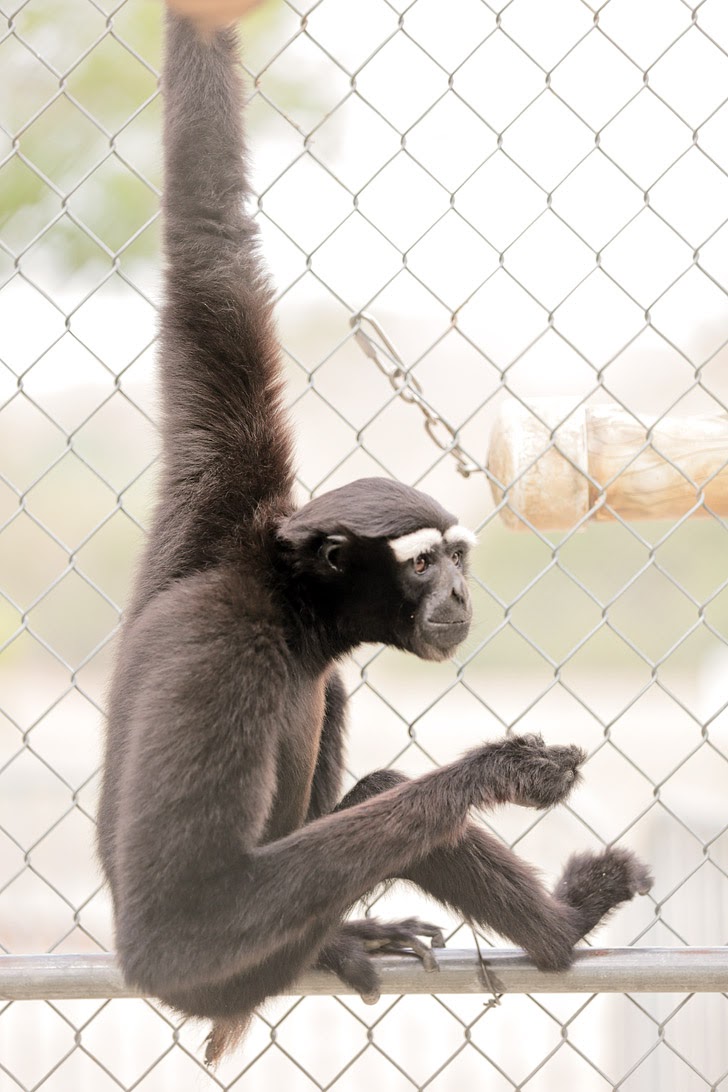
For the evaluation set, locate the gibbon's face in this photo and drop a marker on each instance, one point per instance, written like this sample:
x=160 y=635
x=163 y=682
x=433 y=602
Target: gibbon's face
x=370 y=577
x=432 y=570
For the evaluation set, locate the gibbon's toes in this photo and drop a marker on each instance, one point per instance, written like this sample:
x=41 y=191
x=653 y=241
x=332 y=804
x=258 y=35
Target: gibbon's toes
x=541 y=776
x=423 y=929
x=397 y=936
x=350 y=961
x=348 y=953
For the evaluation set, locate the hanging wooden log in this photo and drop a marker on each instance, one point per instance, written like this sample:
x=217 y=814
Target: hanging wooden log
x=555 y=466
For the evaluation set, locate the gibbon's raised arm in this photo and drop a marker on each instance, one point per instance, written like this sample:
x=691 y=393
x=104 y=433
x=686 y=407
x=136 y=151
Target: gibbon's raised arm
x=220 y=357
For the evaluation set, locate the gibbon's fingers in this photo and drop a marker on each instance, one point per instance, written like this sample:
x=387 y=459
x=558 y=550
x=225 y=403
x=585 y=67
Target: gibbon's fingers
x=211 y=14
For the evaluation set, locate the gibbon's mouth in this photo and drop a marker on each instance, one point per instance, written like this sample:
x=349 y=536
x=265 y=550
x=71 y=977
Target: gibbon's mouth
x=446 y=636
x=449 y=625
x=440 y=639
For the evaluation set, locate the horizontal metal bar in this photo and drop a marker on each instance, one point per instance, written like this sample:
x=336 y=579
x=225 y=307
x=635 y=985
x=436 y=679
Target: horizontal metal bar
x=606 y=970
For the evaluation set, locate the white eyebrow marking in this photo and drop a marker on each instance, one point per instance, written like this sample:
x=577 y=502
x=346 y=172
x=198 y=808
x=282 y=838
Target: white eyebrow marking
x=457 y=533
x=408 y=547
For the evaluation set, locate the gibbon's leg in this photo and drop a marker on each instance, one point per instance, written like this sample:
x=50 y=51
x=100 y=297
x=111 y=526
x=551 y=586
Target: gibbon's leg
x=347 y=948
x=487 y=883
x=325 y=867
x=275 y=895
x=479 y=878
x=348 y=951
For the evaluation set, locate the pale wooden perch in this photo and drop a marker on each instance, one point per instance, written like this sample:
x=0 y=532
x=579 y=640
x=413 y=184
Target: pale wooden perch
x=601 y=458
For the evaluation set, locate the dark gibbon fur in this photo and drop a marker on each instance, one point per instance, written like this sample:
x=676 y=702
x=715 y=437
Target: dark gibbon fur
x=231 y=857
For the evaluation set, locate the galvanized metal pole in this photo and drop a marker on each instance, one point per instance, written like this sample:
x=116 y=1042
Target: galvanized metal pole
x=610 y=970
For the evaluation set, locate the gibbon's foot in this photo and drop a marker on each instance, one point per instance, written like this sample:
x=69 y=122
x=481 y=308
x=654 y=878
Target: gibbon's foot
x=535 y=775
x=348 y=952
x=393 y=936
x=595 y=883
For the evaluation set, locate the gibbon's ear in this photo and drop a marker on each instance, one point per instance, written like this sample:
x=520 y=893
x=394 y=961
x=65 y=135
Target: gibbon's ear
x=333 y=553
x=324 y=553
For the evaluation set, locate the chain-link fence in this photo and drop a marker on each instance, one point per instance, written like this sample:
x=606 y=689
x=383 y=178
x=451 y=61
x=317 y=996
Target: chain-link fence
x=530 y=199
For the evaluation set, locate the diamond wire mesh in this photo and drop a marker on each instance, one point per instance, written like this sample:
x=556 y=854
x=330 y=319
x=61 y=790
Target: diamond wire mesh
x=532 y=199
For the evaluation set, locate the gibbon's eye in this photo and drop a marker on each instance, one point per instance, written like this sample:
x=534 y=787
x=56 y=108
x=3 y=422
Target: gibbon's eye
x=421 y=564
x=457 y=558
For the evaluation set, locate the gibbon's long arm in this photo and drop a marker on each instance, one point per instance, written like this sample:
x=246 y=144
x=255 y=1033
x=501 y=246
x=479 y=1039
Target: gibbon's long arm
x=226 y=448
x=485 y=882
x=220 y=354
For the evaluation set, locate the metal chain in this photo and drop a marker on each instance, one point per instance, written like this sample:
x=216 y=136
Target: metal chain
x=403 y=382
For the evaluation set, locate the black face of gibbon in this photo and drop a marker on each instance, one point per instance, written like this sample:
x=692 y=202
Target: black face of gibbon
x=436 y=610
x=378 y=561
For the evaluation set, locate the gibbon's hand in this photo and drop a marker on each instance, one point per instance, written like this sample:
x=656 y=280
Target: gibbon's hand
x=211 y=14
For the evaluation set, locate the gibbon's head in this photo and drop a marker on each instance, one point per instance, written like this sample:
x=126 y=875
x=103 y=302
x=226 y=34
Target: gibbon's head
x=383 y=562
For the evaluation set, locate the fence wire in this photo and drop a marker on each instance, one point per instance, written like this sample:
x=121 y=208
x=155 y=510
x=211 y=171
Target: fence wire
x=531 y=199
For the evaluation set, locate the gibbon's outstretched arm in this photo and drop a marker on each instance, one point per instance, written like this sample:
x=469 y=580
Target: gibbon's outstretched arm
x=484 y=881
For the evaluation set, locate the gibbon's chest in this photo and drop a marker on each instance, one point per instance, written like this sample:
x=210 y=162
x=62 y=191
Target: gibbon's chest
x=298 y=749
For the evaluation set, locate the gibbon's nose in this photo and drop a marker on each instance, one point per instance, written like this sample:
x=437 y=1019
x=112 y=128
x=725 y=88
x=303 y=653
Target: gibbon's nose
x=453 y=606
x=460 y=591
